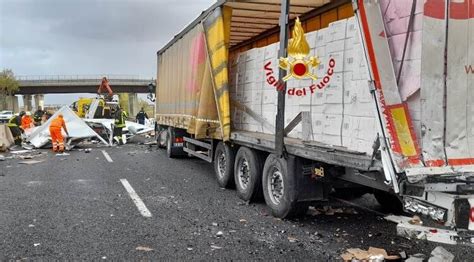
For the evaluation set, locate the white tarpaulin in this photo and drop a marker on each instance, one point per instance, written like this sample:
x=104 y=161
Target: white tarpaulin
x=76 y=127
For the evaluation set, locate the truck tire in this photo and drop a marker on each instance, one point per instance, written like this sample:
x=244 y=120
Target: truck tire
x=161 y=137
x=248 y=174
x=389 y=202
x=169 y=142
x=279 y=189
x=224 y=157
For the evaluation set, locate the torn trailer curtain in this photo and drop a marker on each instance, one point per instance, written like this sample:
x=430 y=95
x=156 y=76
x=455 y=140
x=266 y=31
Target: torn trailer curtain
x=192 y=78
x=77 y=128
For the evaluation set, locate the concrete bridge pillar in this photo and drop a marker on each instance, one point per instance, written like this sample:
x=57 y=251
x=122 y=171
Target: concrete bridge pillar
x=133 y=105
x=11 y=103
x=27 y=103
x=15 y=105
x=39 y=101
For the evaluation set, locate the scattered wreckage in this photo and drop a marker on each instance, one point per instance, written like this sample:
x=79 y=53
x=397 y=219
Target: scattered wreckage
x=79 y=130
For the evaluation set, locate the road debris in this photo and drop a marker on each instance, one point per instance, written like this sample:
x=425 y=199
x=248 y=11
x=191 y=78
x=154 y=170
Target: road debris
x=439 y=254
x=330 y=211
x=292 y=239
x=242 y=220
x=31 y=162
x=143 y=248
x=219 y=234
x=19 y=152
x=215 y=247
x=372 y=254
x=63 y=154
x=416 y=258
x=415 y=220
x=406 y=229
x=36 y=244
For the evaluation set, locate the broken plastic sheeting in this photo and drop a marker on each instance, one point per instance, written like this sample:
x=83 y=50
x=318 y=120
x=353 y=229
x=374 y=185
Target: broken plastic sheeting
x=130 y=127
x=76 y=127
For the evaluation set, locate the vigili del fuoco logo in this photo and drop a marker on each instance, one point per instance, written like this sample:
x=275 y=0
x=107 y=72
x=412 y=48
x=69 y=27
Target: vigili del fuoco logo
x=298 y=64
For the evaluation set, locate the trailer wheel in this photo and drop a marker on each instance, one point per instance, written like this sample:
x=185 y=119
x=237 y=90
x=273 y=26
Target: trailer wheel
x=169 y=142
x=279 y=189
x=248 y=174
x=161 y=137
x=224 y=157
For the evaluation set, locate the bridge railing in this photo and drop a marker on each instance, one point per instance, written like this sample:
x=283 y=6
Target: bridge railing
x=48 y=78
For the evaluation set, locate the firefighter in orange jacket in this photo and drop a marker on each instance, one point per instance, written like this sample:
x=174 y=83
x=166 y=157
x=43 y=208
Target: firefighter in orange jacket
x=26 y=121
x=55 y=130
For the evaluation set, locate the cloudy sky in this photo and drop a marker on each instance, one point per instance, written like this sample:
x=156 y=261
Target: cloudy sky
x=89 y=37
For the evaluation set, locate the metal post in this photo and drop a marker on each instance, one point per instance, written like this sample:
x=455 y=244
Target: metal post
x=280 y=117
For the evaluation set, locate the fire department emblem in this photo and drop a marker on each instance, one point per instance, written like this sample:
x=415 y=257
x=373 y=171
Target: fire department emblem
x=298 y=63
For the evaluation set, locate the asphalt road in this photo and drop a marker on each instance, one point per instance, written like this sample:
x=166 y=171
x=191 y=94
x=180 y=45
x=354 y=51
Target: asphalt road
x=76 y=207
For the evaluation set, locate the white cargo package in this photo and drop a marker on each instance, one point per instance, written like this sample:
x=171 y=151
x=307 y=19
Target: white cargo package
x=336 y=108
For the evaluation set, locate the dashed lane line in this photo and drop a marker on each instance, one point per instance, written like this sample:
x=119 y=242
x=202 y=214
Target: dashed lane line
x=136 y=199
x=107 y=156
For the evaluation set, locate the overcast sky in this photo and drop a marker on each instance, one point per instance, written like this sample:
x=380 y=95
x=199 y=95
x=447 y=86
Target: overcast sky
x=90 y=37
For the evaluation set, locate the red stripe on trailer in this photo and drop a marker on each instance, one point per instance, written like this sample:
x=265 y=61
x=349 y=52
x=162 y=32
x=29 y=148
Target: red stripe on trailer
x=451 y=162
x=435 y=9
x=460 y=11
x=370 y=47
x=435 y=163
x=460 y=161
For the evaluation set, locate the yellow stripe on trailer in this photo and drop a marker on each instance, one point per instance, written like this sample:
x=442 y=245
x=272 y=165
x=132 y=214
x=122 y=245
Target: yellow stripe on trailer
x=404 y=137
x=217 y=43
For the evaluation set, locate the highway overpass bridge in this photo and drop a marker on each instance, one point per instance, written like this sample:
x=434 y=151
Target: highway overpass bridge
x=61 y=84
x=35 y=87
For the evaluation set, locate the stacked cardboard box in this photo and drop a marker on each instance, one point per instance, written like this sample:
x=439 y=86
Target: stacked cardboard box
x=341 y=112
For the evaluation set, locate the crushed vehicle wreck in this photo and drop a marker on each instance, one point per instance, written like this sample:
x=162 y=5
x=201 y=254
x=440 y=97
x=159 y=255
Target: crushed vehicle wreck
x=40 y=137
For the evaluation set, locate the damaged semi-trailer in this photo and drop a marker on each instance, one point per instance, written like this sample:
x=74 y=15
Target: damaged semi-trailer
x=349 y=102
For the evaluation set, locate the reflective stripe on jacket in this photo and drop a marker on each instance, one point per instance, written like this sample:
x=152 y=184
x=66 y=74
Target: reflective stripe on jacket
x=14 y=121
x=120 y=119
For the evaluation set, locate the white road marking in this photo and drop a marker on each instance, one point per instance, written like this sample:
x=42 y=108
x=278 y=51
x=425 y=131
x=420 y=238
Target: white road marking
x=106 y=155
x=136 y=199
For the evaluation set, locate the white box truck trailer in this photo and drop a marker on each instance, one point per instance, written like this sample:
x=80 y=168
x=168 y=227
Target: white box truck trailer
x=368 y=93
